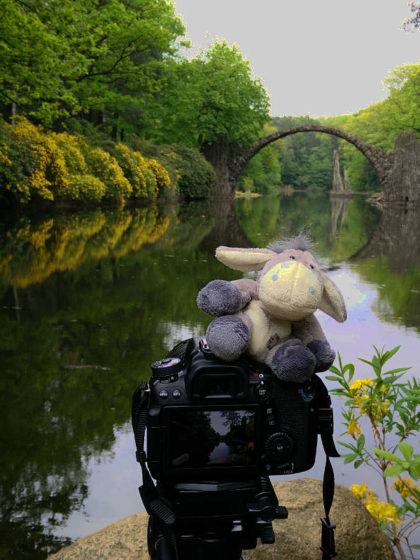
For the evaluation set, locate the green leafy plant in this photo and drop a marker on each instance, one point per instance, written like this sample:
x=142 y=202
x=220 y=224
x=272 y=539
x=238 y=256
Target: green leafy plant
x=389 y=408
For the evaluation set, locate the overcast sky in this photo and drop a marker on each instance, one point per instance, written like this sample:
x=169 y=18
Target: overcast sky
x=315 y=57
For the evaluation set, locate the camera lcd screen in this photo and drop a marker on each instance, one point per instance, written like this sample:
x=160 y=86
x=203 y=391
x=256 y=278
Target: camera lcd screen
x=211 y=437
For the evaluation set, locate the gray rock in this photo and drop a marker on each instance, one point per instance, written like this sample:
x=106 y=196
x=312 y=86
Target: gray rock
x=403 y=182
x=297 y=538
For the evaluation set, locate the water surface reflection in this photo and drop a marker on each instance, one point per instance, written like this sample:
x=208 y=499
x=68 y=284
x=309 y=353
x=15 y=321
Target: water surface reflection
x=89 y=300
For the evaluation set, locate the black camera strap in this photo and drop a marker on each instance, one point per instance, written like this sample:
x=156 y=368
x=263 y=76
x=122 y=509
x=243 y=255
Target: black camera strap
x=325 y=429
x=148 y=491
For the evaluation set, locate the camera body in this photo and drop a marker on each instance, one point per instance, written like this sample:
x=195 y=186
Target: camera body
x=214 y=420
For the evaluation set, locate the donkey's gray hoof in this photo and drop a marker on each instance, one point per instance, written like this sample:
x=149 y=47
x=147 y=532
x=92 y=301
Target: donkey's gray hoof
x=228 y=337
x=219 y=297
x=293 y=362
x=323 y=353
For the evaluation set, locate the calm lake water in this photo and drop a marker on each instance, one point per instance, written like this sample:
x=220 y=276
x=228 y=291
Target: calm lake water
x=90 y=299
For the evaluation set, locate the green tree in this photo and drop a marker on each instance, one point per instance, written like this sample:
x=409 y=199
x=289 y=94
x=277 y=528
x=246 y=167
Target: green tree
x=72 y=57
x=263 y=172
x=401 y=111
x=380 y=123
x=307 y=158
x=210 y=100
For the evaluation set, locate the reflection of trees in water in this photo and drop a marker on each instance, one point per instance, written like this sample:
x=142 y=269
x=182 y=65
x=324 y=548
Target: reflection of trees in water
x=33 y=250
x=397 y=238
x=193 y=436
x=49 y=429
x=391 y=260
x=53 y=419
x=226 y=230
x=338 y=227
x=339 y=210
x=241 y=435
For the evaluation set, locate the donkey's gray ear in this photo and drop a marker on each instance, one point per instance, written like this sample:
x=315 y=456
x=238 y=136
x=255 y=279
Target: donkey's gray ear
x=332 y=302
x=244 y=259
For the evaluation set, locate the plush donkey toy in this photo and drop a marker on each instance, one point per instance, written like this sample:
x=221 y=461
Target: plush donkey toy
x=272 y=319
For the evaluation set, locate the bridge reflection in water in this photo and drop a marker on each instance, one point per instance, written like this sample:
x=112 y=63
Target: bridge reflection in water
x=115 y=289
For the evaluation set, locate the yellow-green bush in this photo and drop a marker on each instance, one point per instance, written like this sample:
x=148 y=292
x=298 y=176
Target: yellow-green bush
x=88 y=187
x=134 y=167
x=162 y=176
x=36 y=164
x=72 y=147
x=106 y=166
x=147 y=176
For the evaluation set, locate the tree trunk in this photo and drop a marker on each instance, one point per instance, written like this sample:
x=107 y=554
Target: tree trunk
x=220 y=155
x=338 y=185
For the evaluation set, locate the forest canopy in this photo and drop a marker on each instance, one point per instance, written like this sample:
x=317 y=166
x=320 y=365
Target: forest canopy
x=73 y=57
x=113 y=72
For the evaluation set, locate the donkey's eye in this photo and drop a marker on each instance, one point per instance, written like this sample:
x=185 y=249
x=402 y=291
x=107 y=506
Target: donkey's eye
x=292 y=257
x=312 y=266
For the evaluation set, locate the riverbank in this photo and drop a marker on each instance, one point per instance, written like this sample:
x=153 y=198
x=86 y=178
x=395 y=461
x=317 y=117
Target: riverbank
x=87 y=167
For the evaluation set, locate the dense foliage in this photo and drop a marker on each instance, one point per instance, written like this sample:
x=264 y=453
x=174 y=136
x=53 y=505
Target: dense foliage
x=60 y=166
x=116 y=65
x=263 y=173
x=210 y=99
x=78 y=57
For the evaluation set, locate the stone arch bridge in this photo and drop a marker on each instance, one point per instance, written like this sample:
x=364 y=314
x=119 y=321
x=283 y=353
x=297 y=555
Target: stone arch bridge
x=229 y=166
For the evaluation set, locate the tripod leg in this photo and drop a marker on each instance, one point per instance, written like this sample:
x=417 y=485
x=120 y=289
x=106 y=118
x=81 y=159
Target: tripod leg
x=159 y=542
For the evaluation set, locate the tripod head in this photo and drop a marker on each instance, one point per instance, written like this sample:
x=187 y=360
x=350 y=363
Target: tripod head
x=215 y=520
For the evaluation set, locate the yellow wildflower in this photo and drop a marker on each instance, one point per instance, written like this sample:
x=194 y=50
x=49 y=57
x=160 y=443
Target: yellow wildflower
x=404 y=487
x=382 y=511
x=360 y=384
x=359 y=490
x=353 y=428
x=360 y=401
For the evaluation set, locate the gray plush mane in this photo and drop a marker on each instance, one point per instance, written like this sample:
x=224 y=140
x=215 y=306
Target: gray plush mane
x=301 y=242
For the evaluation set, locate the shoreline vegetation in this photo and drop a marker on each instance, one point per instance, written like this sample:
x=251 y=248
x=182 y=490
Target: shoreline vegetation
x=99 y=104
x=40 y=165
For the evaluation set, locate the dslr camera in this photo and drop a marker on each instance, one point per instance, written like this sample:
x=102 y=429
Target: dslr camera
x=210 y=419
x=216 y=431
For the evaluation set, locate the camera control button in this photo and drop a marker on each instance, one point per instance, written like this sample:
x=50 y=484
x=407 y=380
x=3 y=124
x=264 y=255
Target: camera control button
x=176 y=394
x=163 y=394
x=279 y=446
x=262 y=391
x=166 y=368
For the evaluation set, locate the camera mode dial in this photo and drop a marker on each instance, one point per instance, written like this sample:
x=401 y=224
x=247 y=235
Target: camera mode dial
x=166 y=368
x=279 y=446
